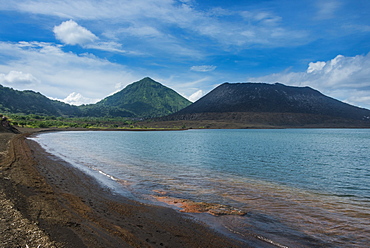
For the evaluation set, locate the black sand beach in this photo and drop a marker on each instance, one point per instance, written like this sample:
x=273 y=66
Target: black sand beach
x=48 y=203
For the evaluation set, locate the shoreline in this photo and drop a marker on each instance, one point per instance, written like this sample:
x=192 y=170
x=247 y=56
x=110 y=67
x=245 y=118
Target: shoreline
x=71 y=209
x=47 y=202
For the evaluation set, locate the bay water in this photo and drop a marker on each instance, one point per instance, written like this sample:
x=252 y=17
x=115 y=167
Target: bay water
x=299 y=187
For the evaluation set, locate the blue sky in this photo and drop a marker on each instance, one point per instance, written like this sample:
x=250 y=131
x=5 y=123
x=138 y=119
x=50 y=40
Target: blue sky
x=82 y=51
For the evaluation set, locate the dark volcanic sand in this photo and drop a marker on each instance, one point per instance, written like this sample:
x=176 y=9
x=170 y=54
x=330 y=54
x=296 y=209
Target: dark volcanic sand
x=49 y=203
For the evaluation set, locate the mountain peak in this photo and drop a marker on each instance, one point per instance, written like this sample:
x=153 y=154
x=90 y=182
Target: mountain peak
x=266 y=98
x=146 y=80
x=144 y=83
x=147 y=98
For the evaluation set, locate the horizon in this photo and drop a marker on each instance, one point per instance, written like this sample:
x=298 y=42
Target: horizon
x=81 y=52
x=277 y=83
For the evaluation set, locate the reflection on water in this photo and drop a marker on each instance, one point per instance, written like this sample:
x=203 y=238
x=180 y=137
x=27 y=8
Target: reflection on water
x=300 y=188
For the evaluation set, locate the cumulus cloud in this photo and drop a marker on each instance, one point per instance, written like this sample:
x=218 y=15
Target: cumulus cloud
x=344 y=78
x=18 y=78
x=260 y=27
x=315 y=66
x=203 y=68
x=55 y=73
x=70 y=33
x=195 y=96
x=78 y=99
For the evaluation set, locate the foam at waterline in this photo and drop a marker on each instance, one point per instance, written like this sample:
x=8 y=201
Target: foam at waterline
x=107 y=175
x=104 y=179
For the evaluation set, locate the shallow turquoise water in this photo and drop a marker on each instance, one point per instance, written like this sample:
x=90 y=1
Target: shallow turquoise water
x=301 y=187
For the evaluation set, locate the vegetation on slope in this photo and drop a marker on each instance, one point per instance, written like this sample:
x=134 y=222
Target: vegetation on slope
x=146 y=98
x=30 y=102
x=143 y=99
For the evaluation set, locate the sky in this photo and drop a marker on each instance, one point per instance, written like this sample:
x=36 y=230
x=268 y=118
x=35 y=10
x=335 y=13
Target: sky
x=80 y=51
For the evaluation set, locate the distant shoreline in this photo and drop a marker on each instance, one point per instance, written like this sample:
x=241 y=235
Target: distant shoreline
x=34 y=131
x=41 y=130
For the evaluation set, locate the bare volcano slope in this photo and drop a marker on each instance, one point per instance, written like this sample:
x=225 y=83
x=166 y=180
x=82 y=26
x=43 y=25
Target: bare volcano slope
x=274 y=105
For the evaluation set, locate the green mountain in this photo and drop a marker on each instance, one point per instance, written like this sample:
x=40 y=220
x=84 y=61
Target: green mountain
x=145 y=98
x=142 y=99
x=30 y=102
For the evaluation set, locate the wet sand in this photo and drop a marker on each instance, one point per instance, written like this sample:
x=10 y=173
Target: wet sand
x=46 y=202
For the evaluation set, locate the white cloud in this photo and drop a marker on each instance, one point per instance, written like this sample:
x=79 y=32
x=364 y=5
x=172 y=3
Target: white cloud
x=142 y=31
x=55 y=73
x=344 y=78
x=360 y=97
x=18 y=78
x=195 y=96
x=203 y=68
x=70 y=33
x=164 y=15
x=78 y=99
x=262 y=17
x=107 y=46
x=315 y=66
